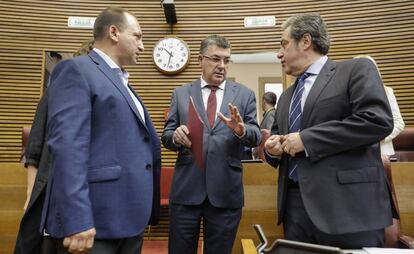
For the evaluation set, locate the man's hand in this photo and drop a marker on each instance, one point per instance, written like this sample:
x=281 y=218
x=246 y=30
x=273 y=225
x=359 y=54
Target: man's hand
x=180 y=136
x=292 y=144
x=235 y=122
x=273 y=145
x=81 y=242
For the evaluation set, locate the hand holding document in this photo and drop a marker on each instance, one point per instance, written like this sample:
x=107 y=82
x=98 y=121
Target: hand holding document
x=196 y=128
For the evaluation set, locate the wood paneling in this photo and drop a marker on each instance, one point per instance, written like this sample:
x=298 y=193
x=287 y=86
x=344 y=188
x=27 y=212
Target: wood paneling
x=383 y=29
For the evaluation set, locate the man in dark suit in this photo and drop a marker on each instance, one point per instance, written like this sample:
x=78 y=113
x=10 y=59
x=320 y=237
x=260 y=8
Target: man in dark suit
x=214 y=192
x=29 y=239
x=103 y=186
x=332 y=188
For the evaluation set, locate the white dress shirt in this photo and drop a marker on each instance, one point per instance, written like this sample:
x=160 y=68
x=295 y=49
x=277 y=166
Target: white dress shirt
x=123 y=75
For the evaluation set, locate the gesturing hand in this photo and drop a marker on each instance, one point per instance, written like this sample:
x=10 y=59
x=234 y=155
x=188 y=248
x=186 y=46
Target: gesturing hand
x=235 y=122
x=81 y=242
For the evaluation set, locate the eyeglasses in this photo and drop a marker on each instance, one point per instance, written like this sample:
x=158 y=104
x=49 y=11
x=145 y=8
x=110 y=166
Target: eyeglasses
x=217 y=60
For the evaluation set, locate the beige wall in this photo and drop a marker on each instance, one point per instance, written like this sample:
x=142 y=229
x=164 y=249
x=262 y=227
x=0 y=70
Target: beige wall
x=249 y=74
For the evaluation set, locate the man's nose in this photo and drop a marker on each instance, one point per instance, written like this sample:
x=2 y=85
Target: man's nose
x=141 y=46
x=280 y=54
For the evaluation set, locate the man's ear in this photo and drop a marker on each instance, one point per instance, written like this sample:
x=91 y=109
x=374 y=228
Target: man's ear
x=306 y=41
x=113 y=33
x=200 y=58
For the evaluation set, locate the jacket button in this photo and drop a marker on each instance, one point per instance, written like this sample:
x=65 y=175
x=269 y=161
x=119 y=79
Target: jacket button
x=146 y=139
x=148 y=166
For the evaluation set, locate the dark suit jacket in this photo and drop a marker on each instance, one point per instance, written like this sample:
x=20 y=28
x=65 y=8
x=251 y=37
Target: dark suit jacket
x=29 y=238
x=105 y=161
x=268 y=118
x=222 y=179
x=342 y=181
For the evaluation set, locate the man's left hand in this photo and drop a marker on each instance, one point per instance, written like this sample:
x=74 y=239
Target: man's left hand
x=235 y=122
x=292 y=144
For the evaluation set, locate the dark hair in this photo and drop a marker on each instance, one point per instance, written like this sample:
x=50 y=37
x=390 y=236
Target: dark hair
x=214 y=39
x=312 y=24
x=108 y=17
x=85 y=48
x=270 y=98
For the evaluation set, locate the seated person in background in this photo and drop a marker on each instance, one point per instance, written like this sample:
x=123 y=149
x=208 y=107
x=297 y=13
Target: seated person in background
x=387 y=148
x=268 y=106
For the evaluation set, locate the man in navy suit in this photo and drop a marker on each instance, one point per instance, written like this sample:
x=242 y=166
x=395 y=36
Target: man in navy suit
x=214 y=192
x=326 y=134
x=103 y=187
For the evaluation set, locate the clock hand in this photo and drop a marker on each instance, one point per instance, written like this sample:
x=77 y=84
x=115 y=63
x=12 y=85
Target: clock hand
x=169 y=53
x=169 y=59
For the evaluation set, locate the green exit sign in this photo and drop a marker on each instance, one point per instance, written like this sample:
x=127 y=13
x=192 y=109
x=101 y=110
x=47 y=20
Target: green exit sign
x=259 y=21
x=81 y=22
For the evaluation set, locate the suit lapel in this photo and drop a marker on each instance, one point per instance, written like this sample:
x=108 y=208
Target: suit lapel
x=284 y=110
x=321 y=81
x=195 y=92
x=116 y=81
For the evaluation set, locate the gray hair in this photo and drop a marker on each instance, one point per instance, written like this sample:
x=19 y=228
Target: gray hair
x=312 y=24
x=214 y=39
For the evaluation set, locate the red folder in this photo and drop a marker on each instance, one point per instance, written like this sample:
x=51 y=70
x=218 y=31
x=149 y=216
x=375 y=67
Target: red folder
x=196 y=128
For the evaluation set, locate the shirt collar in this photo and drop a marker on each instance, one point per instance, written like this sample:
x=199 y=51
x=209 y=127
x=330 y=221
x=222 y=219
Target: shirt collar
x=204 y=84
x=111 y=63
x=316 y=67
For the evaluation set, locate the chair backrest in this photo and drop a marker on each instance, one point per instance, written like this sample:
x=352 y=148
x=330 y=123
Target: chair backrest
x=166 y=180
x=25 y=138
x=404 y=145
x=265 y=136
x=392 y=232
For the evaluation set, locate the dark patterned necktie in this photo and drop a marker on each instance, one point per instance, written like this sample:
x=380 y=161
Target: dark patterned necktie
x=212 y=105
x=295 y=118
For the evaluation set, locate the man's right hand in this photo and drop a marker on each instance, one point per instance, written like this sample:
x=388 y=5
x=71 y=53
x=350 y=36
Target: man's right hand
x=180 y=136
x=80 y=243
x=273 y=145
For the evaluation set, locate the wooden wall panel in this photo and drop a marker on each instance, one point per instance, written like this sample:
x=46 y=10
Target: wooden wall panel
x=383 y=29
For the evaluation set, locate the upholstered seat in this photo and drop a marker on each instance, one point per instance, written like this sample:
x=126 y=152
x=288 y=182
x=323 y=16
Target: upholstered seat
x=166 y=180
x=404 y=145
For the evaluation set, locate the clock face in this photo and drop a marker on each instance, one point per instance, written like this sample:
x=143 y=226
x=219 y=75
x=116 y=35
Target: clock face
x=171 y=55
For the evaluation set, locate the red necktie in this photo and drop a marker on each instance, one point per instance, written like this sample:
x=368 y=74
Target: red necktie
x=212 y=105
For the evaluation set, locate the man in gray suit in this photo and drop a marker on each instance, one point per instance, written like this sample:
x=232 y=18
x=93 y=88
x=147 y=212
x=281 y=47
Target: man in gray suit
x=268 y=106
x=213 y=193
x=332 y=187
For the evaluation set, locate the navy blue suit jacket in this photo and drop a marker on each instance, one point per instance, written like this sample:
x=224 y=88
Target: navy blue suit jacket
x=222 y=179
x=105 y=161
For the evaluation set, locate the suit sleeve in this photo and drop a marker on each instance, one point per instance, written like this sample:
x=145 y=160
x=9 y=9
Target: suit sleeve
x=37 y=134
x=69 y=130
x=369 y=122
x=253 y=135
x=172 y=123
x=396 y=115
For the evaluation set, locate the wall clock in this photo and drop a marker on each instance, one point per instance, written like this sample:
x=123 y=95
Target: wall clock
x=171 y=55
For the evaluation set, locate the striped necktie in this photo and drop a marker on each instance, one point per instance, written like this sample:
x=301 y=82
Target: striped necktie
x=295 y=118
